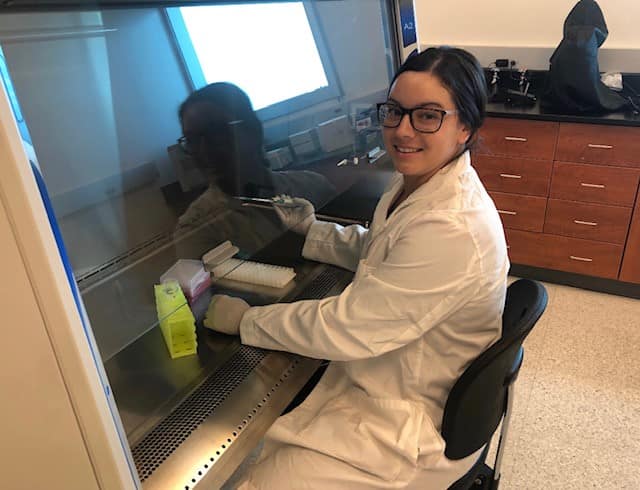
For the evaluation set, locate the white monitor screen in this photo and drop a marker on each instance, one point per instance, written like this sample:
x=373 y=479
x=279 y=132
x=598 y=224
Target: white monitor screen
x=282 y=58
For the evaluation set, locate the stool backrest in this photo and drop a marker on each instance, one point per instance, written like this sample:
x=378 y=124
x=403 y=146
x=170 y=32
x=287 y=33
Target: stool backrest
x=477 y=401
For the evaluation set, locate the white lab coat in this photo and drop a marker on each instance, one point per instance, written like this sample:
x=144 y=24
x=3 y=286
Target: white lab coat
x=426 y=299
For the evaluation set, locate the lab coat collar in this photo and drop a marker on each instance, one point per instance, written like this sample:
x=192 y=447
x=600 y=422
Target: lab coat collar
x=430 y=190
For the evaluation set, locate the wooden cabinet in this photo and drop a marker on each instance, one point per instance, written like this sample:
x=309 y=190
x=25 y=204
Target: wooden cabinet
x=566 y=194
x=514 y=175
x=520 y=212
x=593 y=183
x=603 y=145
x=564 y=253
x=630 y=271
x=589 y=221
x=518 y=138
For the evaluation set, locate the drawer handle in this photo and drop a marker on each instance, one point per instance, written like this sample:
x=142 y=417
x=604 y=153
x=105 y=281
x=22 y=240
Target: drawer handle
x=580 y=259
x=502 y=211
x=515 y=138
x=595 y=186
x=600 y=147
x=587 y=223
x=510 y=176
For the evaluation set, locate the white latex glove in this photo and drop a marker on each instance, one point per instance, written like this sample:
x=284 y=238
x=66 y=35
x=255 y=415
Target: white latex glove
x=298 y=215
x=225 y=313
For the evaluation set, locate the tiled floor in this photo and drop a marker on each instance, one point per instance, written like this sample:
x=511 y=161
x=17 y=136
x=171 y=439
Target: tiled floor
x=576 y=420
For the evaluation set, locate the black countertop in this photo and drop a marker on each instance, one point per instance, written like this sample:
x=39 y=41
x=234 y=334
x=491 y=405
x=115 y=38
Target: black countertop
x=626 y=118
x=537 y=79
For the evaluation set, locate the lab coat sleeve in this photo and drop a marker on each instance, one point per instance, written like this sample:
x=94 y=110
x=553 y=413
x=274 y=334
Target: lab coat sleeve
x=432 y=270
x=334 y=244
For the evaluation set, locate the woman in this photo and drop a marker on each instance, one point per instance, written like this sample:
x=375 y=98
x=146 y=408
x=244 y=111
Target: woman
x=427 y=299
x=224 y=136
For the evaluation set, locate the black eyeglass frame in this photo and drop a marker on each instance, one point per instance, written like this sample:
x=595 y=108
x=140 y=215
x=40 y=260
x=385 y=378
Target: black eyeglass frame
x=443 y=113
x=185 y=143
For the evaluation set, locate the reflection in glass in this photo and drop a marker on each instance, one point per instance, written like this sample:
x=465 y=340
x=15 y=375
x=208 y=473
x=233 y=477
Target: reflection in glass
x=208 y=30
x=145 y=167
x=224 y=136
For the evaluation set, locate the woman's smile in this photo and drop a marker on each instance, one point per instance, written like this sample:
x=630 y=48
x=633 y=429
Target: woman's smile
x=407 y=150
x=418 y=155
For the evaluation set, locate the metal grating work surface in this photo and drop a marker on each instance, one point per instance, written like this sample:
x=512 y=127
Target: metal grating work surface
x=329 y=281
x=167 y=436
x=210 y=432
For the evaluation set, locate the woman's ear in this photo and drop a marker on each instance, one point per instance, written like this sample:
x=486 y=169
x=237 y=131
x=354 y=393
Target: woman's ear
x=464 y=134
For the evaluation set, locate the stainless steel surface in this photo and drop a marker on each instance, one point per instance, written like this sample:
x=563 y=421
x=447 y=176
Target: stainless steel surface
x=167 y=436
x=328 y=281
x=173 y=429
x=212 y=452
x=203 y=440
x=147 y=384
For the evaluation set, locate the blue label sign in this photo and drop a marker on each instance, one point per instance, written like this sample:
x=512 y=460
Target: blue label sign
x=408 y=21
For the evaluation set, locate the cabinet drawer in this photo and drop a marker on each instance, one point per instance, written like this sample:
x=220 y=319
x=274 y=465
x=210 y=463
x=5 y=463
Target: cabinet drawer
x=516 y=138
x=520 y=212
x=588 y=221
x=630 y=270
x=514 y=175
x=564 y=254
x=608 y=145
x=591 y=183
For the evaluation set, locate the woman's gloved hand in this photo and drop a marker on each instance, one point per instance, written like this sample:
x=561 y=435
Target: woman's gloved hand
x=225 y=313
x=296 y=213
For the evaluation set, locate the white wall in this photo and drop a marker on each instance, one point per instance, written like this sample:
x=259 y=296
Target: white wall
x=532 y=29
x=42 y=445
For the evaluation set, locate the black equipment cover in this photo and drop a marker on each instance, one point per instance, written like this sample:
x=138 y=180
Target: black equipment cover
x=574 y=84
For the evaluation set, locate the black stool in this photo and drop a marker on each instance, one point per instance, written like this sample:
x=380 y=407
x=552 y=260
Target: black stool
x=483 y=395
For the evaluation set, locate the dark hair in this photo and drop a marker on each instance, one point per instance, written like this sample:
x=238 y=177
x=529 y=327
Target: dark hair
x=230 y=100
x=461 y=74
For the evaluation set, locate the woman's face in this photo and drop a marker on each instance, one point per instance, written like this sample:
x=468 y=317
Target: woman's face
x=208 y=134
x=220 y=144
x=417 y=155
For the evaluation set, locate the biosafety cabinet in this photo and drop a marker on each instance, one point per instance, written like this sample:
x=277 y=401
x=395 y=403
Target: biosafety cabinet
x=120 y=217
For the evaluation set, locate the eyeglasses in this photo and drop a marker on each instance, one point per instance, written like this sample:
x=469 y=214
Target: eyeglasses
x=191 y=141
x=186 y=144
x=423 y=119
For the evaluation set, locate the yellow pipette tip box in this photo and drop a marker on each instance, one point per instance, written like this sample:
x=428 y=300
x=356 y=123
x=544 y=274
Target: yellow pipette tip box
x=177 y=323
